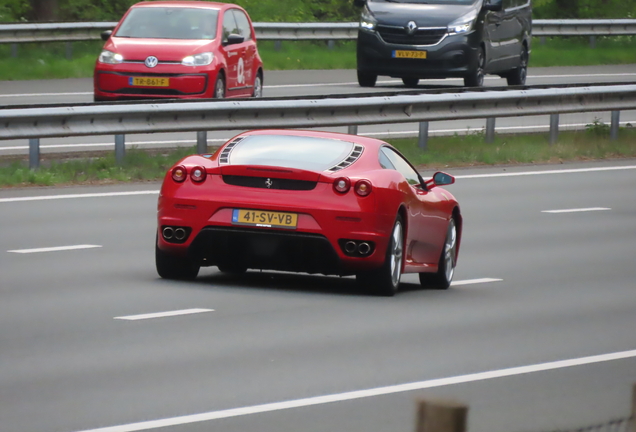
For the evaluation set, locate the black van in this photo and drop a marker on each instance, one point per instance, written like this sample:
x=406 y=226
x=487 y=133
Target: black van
x=416 y=39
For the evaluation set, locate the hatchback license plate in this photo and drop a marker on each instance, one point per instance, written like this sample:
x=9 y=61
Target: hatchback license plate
x=263 y=218
x=149 y=82
x=409 y=54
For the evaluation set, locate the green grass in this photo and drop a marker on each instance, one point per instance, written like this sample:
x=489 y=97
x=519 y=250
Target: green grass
x=442 y=153
x=47 y=61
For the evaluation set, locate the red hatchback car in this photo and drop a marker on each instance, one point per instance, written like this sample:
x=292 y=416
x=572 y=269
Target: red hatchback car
x=180 y=50
x=312 y=202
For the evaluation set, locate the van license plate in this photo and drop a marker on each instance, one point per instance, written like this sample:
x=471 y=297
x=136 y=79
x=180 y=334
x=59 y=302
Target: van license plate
x=409 y=54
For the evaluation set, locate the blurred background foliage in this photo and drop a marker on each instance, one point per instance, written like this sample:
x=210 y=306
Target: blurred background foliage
x=284 y=10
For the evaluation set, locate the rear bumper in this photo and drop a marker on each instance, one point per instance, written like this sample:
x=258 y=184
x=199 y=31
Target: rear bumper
x=315 y=246
x=455 y=56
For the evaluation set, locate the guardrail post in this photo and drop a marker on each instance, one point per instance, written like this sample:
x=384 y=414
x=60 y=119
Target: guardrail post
x=554 y=128
x=422 y=139
x=616 y=118
x=14 y=50
x=69 y=50
x=34 y=153
x=592 y=42
x=331 y=44
x=542 y=40
x=278 y=45
x=441 y=416
x=490 y=130
x=352 y=130
x=120 y=148
x=202 y=142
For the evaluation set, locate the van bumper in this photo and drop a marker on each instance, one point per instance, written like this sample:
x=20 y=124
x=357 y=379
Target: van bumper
x=453 y=57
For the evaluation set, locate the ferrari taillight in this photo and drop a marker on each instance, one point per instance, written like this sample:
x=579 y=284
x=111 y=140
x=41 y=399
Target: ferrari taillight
x=363 y=187
x=197 y=174
x=179 y=174
x=342 y=185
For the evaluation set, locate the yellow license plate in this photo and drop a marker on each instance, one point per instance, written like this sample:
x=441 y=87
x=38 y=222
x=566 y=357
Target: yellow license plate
x=149 y=82
x=263 y=218
x=409 y=54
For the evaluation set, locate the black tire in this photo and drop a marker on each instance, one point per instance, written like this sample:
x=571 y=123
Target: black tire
x=410 y=82
x=258 y=86
x=476 y=76
x=518 y=76
x=232 y=269
x=447 y=261
x=174 y=267
x=385 y=281
x=366 y=79
x=219 y=87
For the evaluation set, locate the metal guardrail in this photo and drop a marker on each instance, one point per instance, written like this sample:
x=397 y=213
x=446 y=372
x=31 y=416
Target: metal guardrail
x=120 y=119
x=67 y=32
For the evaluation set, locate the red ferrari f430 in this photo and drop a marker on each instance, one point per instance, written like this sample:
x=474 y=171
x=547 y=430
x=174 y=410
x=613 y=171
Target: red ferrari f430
x=306 y=201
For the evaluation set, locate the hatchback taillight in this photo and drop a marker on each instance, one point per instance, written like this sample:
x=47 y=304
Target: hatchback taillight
x=179 y=174
x=363 y=187
x=197 y=174
x=342 y=185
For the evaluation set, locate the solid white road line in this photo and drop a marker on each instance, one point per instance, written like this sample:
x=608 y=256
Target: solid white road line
x=474 y=281
x=54 y=249
x=591 y=209
x=361 y=394
x=472 y=176
x=530 y=173
x=346 y=83
x=92 y=195
x=163 y=314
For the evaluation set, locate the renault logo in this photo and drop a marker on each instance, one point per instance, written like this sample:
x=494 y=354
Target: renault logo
x=151 y=61
x=411 y=27
x=269 y=183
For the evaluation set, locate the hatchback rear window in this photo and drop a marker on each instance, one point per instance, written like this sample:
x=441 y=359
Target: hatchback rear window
x=169 y=23
x=306 y=153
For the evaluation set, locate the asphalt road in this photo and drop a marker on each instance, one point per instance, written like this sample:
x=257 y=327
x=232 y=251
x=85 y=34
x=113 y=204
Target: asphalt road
x=309 y=83
x=564 y=290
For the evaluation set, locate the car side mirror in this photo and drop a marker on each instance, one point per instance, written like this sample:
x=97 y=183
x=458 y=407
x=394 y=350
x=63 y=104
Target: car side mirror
x=234 y=39
x=106 y=35
x=359 y=3
x=439 y=179
x=493 y=5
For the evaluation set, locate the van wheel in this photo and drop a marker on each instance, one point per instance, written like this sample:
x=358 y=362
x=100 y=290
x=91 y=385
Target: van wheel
x=410 y=82
x=476 y=77
x=366 y=79
x=518 y=76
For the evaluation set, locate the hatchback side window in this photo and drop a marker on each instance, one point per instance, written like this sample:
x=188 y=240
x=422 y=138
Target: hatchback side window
x=229 y=25
x=243 y=24
x=402 y=166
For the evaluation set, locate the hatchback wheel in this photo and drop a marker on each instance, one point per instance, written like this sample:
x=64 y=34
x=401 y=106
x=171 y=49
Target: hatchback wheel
x=366 y=79
x=476 y=76
x=258 y=86
x=386 y=280
x=446 y=268
x=219 y=87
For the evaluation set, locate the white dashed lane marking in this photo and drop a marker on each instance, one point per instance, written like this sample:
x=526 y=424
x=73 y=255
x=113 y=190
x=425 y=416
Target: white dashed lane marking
x=579 y=210
x=163 y=314
x=53 y=249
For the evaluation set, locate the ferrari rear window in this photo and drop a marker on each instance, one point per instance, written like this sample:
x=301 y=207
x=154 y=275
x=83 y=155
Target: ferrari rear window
x=306 y=153
x=169 y=23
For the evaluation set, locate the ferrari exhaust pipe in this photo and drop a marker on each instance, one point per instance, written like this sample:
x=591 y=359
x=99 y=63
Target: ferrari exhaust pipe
x=350 y=247
x=168 y=233
x=179 y=234
x=364 y=248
